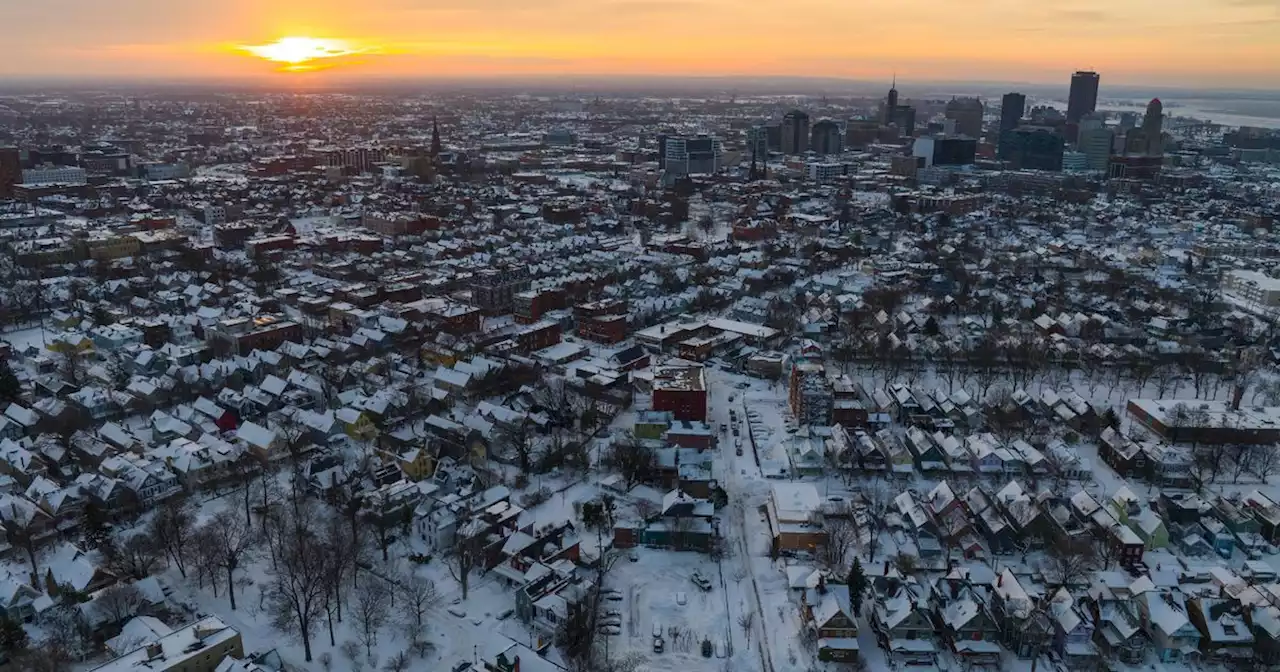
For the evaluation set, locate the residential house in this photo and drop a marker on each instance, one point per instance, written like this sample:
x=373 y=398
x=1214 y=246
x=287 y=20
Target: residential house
x=900 y=620
x=1118 y=621
x=69 y=568
x=828 y=611
x=1225 y=634
x=1073 y=631
x=966 y=625
x=1167 y=621
x=1026 y=628
x=792 y=511
x=261 y=442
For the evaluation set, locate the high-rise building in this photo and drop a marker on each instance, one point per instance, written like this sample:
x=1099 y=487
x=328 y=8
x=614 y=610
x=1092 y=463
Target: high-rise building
x=795 y=132
x=1032 y=148
x=891 y=103
x=758 y=141
x=945 y=151
x=861 y=132
x=10 y=170
x=1153 y=127
x=967 y=114
x=826 y=138
x=1083 y=97
x=684 y=155
x=1095 y=142
x=1012 y=107
x=902 y=116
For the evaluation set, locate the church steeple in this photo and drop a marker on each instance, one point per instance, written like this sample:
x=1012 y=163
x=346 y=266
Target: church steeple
x=435 y=137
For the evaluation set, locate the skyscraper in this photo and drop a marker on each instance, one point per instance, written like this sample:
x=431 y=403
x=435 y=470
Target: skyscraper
x=1012 y=107
x=1032 y=148
x=683 y=155
x=1095 y=141
x=826 y=137
x=891 y=104
x=1153 y=126
x=795 y=132
x=967 y=113
x=1084 y=95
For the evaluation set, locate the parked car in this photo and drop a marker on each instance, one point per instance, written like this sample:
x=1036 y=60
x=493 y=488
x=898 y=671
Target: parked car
x=613 y=595
x=701 y=581
x=739 y=451
x=611 y=630
x=462 y=667
x=657 y=645
x=611 y=621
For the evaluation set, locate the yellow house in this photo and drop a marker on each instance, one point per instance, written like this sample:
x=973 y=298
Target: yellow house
x=261 y=442
x=70 y=342
x=357 y=425
x=417 y=464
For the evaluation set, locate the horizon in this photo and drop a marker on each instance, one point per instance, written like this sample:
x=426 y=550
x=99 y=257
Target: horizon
x=1179 y=43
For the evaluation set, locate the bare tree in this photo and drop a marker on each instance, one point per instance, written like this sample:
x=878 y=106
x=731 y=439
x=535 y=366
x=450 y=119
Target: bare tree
x=398 y=663
x=171 y=531
x=134 y=555
x=298 y=588
x=463 y=557
x=1241 y=455
x=417 y=596
x=1069 y=563
x=876 y=498
x=632 y=458
x=119 y=603
x=745 y=619
x=842 y=535
x=233 y=544
x=1168 y=379
x=371 y=608
x=1265 y=460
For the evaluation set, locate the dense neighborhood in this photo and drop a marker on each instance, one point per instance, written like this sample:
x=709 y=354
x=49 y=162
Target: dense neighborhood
x=338 y=382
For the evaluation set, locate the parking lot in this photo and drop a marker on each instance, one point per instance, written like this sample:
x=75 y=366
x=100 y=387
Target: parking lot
x=659 y=594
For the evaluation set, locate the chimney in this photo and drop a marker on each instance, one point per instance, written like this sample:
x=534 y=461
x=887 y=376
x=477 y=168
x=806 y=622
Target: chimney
x=154 y=651
x=1000 y=580
x=886 y=568
x=516 y=667
x=1237 y=393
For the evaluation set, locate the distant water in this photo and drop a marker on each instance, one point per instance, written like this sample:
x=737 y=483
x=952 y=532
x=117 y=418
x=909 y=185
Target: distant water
x=1264 y=113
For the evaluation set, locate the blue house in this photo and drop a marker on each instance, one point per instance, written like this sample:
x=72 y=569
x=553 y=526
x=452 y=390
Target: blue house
x=1218 y=536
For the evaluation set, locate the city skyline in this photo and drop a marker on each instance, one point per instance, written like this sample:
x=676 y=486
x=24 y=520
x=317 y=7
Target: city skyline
x=1224 y=43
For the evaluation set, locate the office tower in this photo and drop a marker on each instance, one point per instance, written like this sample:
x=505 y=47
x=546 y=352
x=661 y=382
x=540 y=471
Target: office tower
x=826 y=137
x=795 y=132
x=683 y=155
x=904 y=117
x=435 y=137
x=1032 y=148
x=861 y=132
x=1095 y=142
x=1153 y=126
x=1084 y=96
x=1075 y=161
x=758 y=141
x=944 y=151
x=967 y=113
x=10 y=170
x=1128 y=120
x=891 y=104
x=1012 y=107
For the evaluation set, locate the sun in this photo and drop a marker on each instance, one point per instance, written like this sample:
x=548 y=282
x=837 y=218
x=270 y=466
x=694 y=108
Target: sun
x=302 y=53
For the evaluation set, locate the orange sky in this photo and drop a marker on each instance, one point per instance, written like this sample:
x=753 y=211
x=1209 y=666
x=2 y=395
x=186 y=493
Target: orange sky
x=1170 y=42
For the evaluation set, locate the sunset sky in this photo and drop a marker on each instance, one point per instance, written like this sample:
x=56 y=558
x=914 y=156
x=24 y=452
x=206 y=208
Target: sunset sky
x=1167 y=42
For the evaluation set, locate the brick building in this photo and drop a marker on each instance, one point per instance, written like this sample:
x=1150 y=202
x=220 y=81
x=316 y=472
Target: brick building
x=682 y=390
